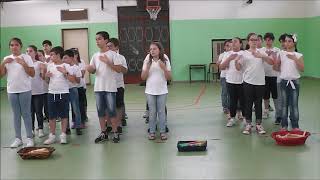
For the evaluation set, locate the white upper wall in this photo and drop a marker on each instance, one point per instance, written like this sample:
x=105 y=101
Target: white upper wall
x=47 y=12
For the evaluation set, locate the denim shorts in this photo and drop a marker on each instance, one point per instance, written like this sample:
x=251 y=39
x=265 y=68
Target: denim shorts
x=58 y=105
x=106 y=103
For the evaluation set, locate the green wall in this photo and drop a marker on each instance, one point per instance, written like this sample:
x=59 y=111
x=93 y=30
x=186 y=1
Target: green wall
x=190 y=39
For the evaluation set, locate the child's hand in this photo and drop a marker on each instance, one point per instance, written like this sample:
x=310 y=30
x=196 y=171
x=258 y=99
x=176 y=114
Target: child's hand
x=162 y=65
x=48 y=74
x=257 y=54
x=105 y=59
x=21 y=61
x=62 y=69
x=292 y=56
x=233 y=56
x=7 y=61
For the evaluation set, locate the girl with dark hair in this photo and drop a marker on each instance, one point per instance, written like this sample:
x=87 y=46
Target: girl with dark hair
x=291 y=64
x=234 y=79
x=19 y=68
x=251 y=64
x=156 y=71
x=38 y=90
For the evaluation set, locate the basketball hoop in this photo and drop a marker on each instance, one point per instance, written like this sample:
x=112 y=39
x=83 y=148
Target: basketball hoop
x=153 y=7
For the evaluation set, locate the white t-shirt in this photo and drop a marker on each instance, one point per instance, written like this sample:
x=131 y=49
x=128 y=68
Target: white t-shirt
x=74 y=70
x=105 y=76
x=18 y=80
x=82 y=66
x=220 y=59
x=58 y=84
x=233 y=76
x=156 y=82
x=288 y=68
x=119 y=76
x=37 y=81
x=268 y=69
x=253 y=69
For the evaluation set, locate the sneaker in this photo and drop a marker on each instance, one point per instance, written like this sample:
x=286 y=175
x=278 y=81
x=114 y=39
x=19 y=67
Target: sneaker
x=225 y=110
x=125 y=116
x=124 y=122
x=73 y=126
x=50 y=140
x=146 y=114
x=63 y=138
x=119 y=129
x=78 y=131
x=247 y=129
x=260 y=129
x=265 y=114
x=147 y=120
x=152 y=136
x=163 y=136
x=40 y=133
x=167 y=129
x=16 y=143
x=270 y=108
x=231 y=122
x=82 y=126
x=30 y=142
x=116 y=138
x=277 y=121
x=109 y=129
x=103 y=136
x=228 y=116
x=68 y=131
x=239 y=116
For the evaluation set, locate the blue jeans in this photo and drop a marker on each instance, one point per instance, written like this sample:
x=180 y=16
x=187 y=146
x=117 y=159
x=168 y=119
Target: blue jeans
x=21 y=106
x=74 y=101
x=225 y=99
x=278 y=113
x=289 y=99
x=106 y=102
x=157 y=104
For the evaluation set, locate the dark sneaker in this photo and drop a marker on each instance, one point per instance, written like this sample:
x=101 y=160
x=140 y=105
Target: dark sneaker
x=124 y=122
x=116 y=138
x=103 y=136
x=277 y=121
x=68 y=132
x=119 y=129
x=109 y=129
x=78 y=131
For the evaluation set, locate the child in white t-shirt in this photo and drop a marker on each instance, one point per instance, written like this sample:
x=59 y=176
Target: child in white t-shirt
x=113 y=45
x=251 y=64
x=225 y=98
x=58 y=96
x=19 y=70
x=103 y=64
x=74 y=80
x=38 y=90
x=234 y=79
x=156 y=71
x=291 y=64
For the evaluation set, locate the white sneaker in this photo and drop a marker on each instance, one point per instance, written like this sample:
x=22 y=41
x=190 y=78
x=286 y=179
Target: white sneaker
x=247 y=129
x=231 y=122
x=146 y=114
x=50 y=140
x=30 y=142
x=260 y=129
x=63 y=138
x=16 y=143
x=40 y=133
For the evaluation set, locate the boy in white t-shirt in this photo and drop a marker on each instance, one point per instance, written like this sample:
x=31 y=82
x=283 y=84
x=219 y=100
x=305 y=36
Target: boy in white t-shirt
x=19 y=69
x=270 y=75
x=113 y=45
x=103 y=64
x=290 y=63
x=74 y=79
x=58 y=96
x=225 y=99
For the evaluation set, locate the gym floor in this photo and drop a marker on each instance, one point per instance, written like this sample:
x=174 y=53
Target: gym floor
x=194 y=113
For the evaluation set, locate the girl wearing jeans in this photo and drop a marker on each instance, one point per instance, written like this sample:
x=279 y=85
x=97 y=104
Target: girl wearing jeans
x=253 y=76
x=291 y=64
x=19 y=68
x=156 y=71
